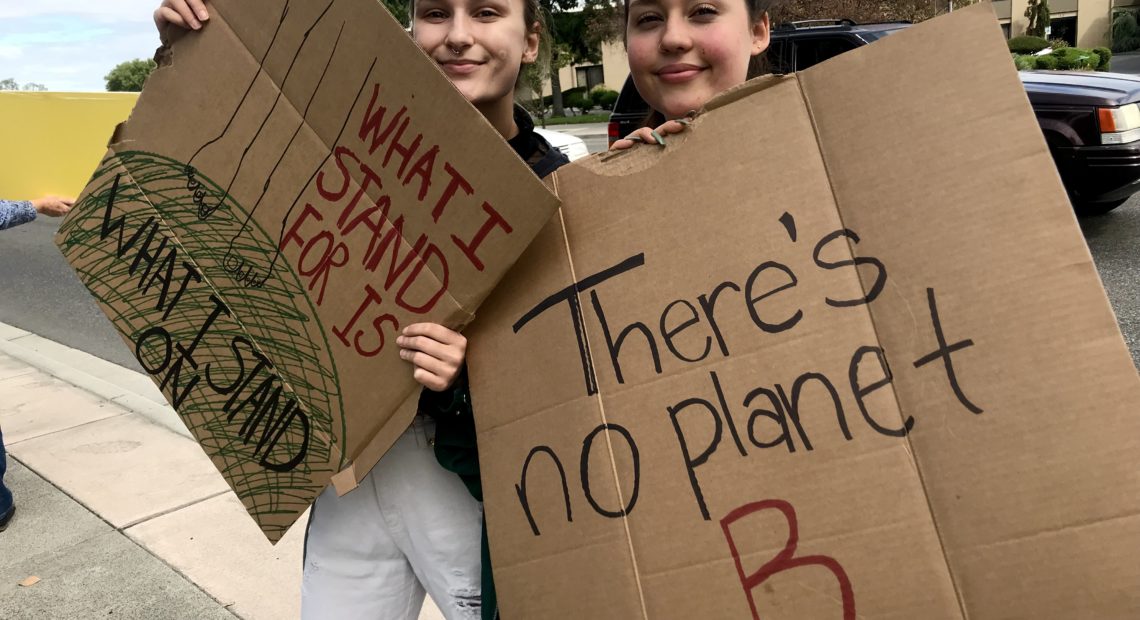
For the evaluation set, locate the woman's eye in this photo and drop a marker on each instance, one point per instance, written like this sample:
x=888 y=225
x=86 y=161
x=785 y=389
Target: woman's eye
x=704 y=11
x=647 y=19
x=486 y=14
x=434 y=14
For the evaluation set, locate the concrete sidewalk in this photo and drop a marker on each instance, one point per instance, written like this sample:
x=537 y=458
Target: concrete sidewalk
x=119 y=512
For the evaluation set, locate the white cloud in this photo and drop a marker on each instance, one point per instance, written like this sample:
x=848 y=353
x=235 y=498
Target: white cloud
x=102 y=11
x=71 y=45
x=10 y=52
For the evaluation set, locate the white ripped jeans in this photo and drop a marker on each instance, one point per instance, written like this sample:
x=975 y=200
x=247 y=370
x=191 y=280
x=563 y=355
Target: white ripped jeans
x=410 y=526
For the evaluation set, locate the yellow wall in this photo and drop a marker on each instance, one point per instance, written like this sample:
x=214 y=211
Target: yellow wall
x=54 y=141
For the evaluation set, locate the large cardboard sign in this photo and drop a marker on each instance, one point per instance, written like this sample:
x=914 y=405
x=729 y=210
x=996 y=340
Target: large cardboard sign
x=297 y=184
x=839 y=351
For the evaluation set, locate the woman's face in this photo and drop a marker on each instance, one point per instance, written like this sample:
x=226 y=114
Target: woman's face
x=479 y=44
x=682 y=52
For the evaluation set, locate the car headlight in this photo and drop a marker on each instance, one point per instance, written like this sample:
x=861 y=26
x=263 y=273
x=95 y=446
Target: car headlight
x=1119 y=125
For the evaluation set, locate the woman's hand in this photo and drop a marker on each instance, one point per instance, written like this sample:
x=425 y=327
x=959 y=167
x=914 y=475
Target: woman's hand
x=187 y=14
x=53 y=206
x=436 y=353
x=650 y=136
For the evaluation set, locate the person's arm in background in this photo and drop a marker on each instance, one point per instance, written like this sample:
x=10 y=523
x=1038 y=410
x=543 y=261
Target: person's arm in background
x=16 y=212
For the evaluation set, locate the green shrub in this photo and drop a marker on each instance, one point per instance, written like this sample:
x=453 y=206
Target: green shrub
x=549 y=99
x=1076 y=59
x=581 y=101
x=1027 y=45
x=533 y=106
x=1065 y=63
x=1105 y=56
x=1125 y=32
x=1065 y=59
x=1058 y=44
x=603 y=97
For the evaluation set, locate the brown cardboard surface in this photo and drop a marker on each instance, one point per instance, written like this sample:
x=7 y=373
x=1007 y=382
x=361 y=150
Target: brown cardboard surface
x=297 y=183
x=754 y=458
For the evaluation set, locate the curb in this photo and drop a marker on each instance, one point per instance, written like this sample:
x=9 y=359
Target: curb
x=127 y=388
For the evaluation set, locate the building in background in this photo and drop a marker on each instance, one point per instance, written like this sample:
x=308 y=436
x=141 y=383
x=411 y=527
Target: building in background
x=1083 y=23
x=611 y=72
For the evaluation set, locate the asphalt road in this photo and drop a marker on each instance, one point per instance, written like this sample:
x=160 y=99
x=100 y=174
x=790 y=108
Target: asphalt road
x=593 y=134
x=1114 y=240
x=40 y=293
x=596 y=144
x=1125 y=63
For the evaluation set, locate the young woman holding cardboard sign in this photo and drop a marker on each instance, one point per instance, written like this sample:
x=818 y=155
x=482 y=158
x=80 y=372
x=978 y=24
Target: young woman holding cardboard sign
x=683 y=52
x=414 y=525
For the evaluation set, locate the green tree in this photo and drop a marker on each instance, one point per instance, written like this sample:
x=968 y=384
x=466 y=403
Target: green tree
x=1038 y=14
x=401 y=10
x=12 y=84
x=129 y=76
x=864 y=11
x=559 y=53
x=605 y=20
x=576 y=40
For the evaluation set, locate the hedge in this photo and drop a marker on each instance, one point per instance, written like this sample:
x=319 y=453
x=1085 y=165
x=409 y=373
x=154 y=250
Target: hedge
x=1027 y=45
x=1065 y=59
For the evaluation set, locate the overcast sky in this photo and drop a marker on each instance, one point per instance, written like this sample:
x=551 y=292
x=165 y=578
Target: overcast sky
x=69 y=45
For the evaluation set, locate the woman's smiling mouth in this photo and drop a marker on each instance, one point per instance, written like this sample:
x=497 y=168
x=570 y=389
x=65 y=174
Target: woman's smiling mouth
x=679 y=72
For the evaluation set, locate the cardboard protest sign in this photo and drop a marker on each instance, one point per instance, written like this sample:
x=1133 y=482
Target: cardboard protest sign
x=837 y=351
x=297 y=184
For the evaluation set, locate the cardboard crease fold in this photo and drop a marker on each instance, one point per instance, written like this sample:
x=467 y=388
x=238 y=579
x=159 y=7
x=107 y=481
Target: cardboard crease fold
x=602 y=415
x=895 y=400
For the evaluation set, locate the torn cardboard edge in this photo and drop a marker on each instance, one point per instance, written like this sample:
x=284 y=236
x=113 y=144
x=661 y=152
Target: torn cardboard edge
x=350 y=476
x=641 y=157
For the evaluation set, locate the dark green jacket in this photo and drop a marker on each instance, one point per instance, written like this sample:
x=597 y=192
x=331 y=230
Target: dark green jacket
x=455 y=445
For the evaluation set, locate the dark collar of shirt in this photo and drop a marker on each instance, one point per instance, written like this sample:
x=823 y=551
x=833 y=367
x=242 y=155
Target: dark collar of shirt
x=532 y=148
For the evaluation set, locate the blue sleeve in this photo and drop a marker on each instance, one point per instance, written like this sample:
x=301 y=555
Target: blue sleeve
x=16 y=212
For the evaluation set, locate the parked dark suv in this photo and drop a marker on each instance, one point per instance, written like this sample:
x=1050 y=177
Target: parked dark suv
x=1091 y=120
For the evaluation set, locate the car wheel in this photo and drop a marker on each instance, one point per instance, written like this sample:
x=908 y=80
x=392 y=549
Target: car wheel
x=1092 y=209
